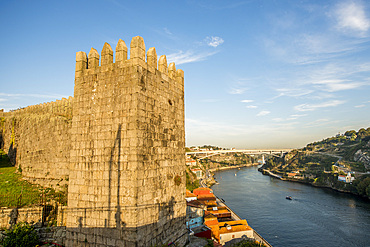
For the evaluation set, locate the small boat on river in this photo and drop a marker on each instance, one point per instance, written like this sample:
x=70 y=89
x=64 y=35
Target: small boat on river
x=289 y=198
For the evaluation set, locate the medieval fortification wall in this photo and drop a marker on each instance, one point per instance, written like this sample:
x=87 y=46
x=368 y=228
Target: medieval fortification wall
x=38 y=141
x=118 y=143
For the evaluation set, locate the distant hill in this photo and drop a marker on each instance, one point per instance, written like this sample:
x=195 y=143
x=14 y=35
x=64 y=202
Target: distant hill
x=320 y=163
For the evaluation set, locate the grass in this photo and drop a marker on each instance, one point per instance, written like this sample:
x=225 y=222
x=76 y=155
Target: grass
x=13 y=190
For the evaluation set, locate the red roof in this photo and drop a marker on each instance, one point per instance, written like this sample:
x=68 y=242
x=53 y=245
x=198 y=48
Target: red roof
x=202 y=191
x=189 y=194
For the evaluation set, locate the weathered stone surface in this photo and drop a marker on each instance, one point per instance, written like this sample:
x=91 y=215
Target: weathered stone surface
x=118 y=143
x=93 y=58
x=162 y=64
x=121 y=51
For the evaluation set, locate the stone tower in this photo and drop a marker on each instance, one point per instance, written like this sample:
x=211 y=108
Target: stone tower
x=127 y=173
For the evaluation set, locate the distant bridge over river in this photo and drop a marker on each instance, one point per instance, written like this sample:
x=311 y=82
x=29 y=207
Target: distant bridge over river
x=274 y=152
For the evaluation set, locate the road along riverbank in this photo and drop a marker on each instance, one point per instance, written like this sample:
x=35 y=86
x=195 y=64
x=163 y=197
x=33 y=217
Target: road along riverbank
x=222 y=203
x=314 y=216
x=234 y=216
x=271 y=174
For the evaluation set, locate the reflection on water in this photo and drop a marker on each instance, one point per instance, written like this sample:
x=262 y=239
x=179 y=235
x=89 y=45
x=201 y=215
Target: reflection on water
x=314 y=216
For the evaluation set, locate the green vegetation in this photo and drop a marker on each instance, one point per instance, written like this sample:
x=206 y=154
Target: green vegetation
x=248 y=243
x=15 y=192
x=209 y=147
x=22 y=234
x=191 y=180
x=320 y=163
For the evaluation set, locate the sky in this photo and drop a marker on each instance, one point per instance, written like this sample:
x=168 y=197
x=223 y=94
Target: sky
x=258 y=73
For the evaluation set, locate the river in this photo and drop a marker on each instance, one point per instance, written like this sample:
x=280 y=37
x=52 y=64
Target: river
x=315 y=216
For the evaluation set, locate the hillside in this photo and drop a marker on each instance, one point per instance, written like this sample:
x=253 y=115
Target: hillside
x=320 y=163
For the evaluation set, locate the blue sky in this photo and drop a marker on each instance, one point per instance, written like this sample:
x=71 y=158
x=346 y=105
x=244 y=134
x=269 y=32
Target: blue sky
x=258 y=73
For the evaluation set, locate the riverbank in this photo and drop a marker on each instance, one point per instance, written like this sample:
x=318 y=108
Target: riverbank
x=222 y=203
x=234 y=216
x=212 y=181
x=231 y=167
x=314 y=217
x=271 y=174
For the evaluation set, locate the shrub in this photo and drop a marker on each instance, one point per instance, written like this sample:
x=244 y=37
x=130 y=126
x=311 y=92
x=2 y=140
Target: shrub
x=248 y=243
x=22 y=234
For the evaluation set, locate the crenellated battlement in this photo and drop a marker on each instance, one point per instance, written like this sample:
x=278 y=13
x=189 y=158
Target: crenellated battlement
x=128 y=142
x=138 y=55
x=61 y=107
x=119 y=144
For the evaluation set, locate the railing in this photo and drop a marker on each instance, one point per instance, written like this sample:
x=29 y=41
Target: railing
x=20 y=200
x=256 y=236
x=260 y=239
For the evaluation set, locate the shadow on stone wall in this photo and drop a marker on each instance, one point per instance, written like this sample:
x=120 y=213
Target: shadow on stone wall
x=165 y=231
x=116 y=145
x=116 y=222
x=12 y=154
x=1 y=141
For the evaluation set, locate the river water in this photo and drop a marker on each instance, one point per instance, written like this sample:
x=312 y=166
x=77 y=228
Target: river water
x=315 y=216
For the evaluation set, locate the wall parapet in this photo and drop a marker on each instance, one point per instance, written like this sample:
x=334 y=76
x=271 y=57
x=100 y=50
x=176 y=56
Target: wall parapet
x=61 y=107
x=138 y=55
x=123 y=148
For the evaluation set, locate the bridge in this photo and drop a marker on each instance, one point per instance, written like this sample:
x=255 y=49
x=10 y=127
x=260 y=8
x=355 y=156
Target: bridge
x=274 y=152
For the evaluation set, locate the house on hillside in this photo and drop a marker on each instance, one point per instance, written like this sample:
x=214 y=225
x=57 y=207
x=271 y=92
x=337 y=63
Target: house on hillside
x=190 y=162
x=346 y=179
x=233 y=231
x=219 y=212
x=208 y=199
x=198 y=172
x=202 y=190
x=342 y=178
x=194 y=214
x=190 y=196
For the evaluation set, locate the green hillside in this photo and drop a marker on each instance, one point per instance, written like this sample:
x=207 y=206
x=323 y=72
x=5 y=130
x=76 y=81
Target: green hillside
x=320 y=163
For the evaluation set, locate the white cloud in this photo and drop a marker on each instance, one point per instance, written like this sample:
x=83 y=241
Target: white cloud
x=343 y=86
x=333 y=85
x=298 y=115
x=312 y=107
x=292 y=117
x=263 y=113
x=237 y=90
x=360 y=106
x=277 y=119
x=351 y=16
x=293 y=92
x=167 y=31
x=251 y=106
x=188 y=56
x=318 y=122
x=247 y=101
x=214 y=41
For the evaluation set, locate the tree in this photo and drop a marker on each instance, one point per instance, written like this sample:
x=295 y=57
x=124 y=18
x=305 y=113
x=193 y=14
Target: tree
x=22 y=234
x=349 y=133
x=363 y=188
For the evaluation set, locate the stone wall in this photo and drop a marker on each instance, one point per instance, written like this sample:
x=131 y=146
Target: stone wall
x=127 y=179
x=34 y=215
x=119 y=143
x=38 y=141
x=29 y=215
